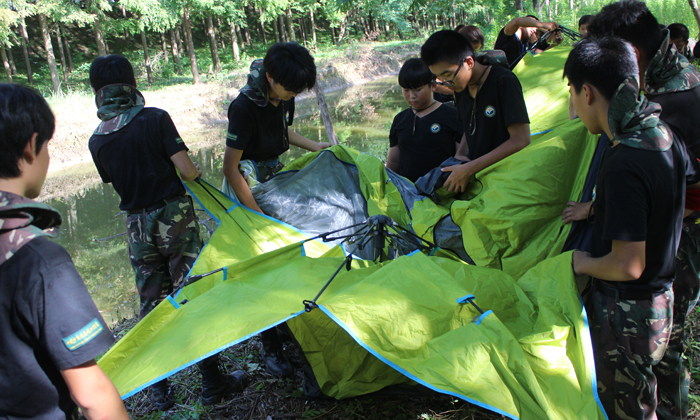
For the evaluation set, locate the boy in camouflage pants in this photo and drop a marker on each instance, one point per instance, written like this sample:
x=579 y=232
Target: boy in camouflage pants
x=638 y=205
x=138 y=150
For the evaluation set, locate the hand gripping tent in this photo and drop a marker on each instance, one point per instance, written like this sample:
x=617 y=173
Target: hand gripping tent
x=507 y=333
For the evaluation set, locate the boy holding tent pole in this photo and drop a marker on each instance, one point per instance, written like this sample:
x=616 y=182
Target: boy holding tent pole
x=138 y=150
x=50 y=329
x=639 y=210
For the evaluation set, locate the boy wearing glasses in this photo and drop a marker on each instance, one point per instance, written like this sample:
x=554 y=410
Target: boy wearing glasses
x=489 y=102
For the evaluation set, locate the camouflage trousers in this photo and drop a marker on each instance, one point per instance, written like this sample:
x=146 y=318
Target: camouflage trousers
x=629 y=338
x=163 y=246
x=673 y=372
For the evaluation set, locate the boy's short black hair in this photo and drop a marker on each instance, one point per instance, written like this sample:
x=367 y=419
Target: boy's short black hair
x=473 y=34
x=109 y=70
x=446 y=46
x=459 y=27
x=23 y=112
x=678 y=30
x=584 y=20
x=604 y=63
x=630 y=20
x=414 y=74
x=291 y=65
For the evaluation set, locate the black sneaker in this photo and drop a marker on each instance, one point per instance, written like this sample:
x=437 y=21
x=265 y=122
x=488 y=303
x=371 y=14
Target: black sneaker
x=276 y=363
x=161 y=397
x=214 y=389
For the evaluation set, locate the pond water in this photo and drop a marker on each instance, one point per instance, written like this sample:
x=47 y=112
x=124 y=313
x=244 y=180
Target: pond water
x=93 y=226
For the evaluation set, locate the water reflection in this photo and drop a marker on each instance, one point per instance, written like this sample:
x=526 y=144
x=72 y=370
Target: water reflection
x=92 y=225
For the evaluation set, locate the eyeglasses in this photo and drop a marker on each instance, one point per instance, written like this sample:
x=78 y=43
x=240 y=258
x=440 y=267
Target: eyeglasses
x=448 y=83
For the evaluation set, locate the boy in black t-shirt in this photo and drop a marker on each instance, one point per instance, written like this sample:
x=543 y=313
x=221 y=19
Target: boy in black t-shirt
x=138 y=149
x=638 y=216
x=50 y=329
x=260 y=116
x=426 y=134
x=490 y=103
x=519 y=35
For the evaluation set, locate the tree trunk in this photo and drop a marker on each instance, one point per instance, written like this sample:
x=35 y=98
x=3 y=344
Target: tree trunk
x=190 y=46
x=291 y=36
x=234 y=42
x=398 y=31
x=221 y=38
x=176 y=51
x=341 y=31
x=696 y=12
x=146 y=58
x=164 y=44
x=283 y=32
x=11 y=59
x=99 y=36
x=179 y=38
x=240 y=38
x=313 y=30
x=519 y=5
x=325 y=115
x=6 y=64
x=25 y=51
x=61 y=53
x=302 y=33
x=213 y=46
x=68 y=56
x=365 y=29
x=387 y=30
x=249 y=39
x=275 y=30
x=55 y=81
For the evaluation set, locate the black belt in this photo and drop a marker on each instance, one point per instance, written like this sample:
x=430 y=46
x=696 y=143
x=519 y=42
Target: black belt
x=623 y=294
x=155 y=206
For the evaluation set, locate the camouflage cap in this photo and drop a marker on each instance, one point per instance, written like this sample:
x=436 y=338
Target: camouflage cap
x=117 y=105
x=21 y=220
x=256 y=86
x=634 y=121
x=669 y=71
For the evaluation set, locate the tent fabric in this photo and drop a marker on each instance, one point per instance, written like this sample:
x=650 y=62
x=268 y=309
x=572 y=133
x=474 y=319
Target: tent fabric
x=528 y=356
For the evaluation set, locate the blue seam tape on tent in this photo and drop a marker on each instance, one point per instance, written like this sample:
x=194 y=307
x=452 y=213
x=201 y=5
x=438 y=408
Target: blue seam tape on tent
x=541 y=132
x=225 y=270
x=405 y=373
x=484 y=315
x=173 y=302
x=412 y=252
x=303 y=251
x=211 y=353
x=588 y=354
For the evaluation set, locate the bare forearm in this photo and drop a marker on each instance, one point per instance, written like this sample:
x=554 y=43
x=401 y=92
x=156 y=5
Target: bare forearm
x=510 y=146
x=94 y=393
x=301 y=141
x=242 y=190
x=604 y=268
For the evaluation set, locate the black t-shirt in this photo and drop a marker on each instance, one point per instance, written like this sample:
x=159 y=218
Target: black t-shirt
x=261 y=132
x=639 y=197
x=681 y=110
x=424 y=142
x=136 y=159
x=499 y=103
x=48 y=323
x=512 y=46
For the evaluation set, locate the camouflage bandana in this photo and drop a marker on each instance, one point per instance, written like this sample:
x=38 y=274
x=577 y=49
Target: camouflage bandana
x=634 y=121
x=117 y=105
x=491 y=57
x=22 y=220
x=256 y=87
x=669 y=71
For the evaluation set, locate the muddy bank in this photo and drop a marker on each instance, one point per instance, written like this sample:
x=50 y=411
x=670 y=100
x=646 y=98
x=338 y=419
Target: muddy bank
x=199 y=111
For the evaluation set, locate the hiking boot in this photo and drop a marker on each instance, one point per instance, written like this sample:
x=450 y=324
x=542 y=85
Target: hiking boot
x=160 y=395
x=275 y=362
x=215 y=385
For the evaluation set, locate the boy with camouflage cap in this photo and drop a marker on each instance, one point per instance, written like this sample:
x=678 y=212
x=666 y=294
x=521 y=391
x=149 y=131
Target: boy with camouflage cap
x=50 y=329
x=138 y=149
x=639 y=210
